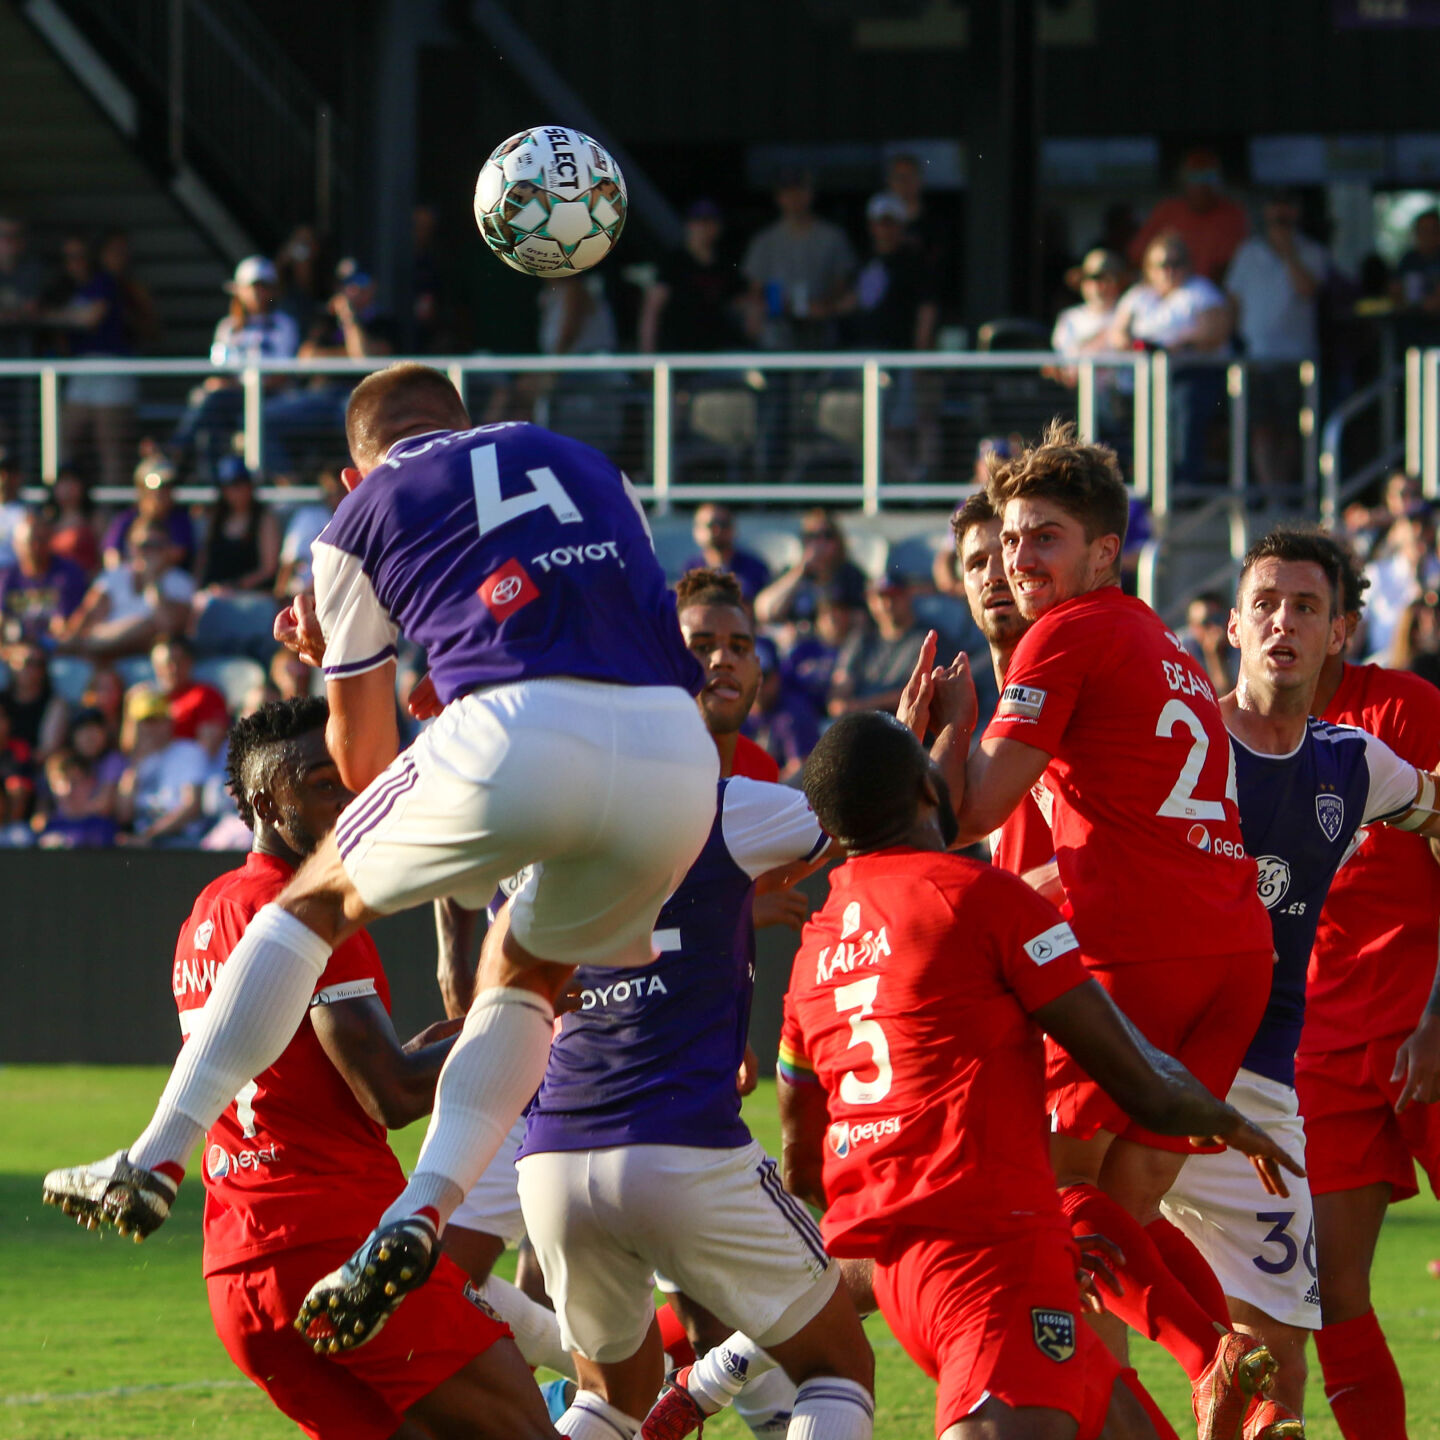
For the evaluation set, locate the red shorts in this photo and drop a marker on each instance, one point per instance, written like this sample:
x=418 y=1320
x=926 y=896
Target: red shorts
x=359 y=1394
x=1000 y=1320
x=1204 y=1012
x=1353 y=1136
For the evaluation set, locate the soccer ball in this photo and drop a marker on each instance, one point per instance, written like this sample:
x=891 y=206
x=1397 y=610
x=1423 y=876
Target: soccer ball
x=550 y=201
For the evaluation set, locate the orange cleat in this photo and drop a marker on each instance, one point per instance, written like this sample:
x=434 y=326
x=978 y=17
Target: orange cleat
x=1241 y=1370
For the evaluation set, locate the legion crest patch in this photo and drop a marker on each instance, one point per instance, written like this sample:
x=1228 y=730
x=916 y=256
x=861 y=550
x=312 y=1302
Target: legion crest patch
x=1330 y=812
x=1054 y=1332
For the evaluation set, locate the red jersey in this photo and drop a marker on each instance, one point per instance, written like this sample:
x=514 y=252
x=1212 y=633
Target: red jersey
x=1024 y=842
x=1379 y=938
x=196 y=705
x=1146 y=823
x=294 y=1159
x=910 y=1003
x=754 y=762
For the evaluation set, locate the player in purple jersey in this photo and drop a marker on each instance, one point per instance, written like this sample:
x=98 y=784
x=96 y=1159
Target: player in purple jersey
x=1305 y=790
x=636 y=1158
x=568 y=741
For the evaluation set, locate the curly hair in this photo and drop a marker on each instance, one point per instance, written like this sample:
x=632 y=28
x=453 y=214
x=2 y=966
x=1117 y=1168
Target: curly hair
x=709 y=587
x=259 y=744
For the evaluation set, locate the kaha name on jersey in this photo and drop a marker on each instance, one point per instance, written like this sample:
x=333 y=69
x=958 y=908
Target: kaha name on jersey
x=848 y=955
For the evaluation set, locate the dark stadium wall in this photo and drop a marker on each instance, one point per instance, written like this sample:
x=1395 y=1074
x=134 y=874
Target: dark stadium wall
x=89 y=942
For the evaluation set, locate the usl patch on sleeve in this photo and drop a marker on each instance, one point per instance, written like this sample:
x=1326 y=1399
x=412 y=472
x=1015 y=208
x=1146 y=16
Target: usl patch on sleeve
x=1023 y=702
x=1055 y=941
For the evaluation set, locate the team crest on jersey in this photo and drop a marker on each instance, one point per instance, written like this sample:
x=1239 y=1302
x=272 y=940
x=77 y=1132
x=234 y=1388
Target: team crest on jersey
x=507 y=590
x=1274 y=879
x=850 y=920
x=1023 y=702
x=1054 y=1332
x=203 y=932
x=1330 y=812
x=481 y=1303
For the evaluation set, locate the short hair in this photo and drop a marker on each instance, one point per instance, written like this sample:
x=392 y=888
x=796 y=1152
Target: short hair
x=709 y=587
x=1175 y=243
x=1083 y=480
x=1354 y=582
x=1291 y=544
x=182 y=643
x=977 y=510
x=862 y=777
x=258 y=745
x=386 y=405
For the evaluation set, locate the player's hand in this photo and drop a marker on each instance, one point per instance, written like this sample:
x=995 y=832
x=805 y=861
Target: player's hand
x=1098 y=1254
x=424 y=703
x=913 y=710
x=1417 y=1065
x=781 y=907
x=297 y=628
x=1265 y=1155
x=748 y=1075
x=571 y=999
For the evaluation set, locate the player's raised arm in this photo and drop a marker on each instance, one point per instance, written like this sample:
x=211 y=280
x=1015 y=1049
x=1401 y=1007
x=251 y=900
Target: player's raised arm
x=1151 y=1086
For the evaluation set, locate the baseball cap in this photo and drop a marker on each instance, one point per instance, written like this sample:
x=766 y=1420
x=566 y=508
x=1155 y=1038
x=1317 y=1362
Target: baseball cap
x=885 y=206
x=767 y=654
x=895 y=577
x=144 y=702
x=1097 y=264
x=231 y=468
x=703 y=209
x=253 y=270
x=153 y=472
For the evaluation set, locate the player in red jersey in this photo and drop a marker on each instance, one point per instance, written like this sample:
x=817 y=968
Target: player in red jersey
x=1102 y=700
x=297 y=1168
x=916 y=999
x=1023 y=844
x=1368 y=1070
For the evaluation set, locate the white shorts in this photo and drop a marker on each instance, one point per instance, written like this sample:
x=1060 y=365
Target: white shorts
x=718 y=1223
x=492 y=1205
x=608 y=791
x=1261 y=1247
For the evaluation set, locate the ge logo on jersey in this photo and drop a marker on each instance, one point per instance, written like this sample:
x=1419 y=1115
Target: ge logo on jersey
x=1330 y=812
x=1274 y=880
x=1054 y=1332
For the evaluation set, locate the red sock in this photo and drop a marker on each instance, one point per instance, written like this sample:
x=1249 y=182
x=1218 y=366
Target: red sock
x=1361 y=1381
x=674 y=1338
x=1164 y=1430
x=1190 y=1268
x=1155 y=1303
x=171 y=1170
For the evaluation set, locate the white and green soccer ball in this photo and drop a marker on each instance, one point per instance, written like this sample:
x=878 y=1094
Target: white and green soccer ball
x=550 y=201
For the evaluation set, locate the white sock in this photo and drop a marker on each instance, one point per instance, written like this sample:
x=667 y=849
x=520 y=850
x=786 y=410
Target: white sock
x=592 y=1419
x=496 y=1066
x=536 y=1330
x=828 y=1408
x=767 y=1402
x=257 y=1003
x=720 y=1374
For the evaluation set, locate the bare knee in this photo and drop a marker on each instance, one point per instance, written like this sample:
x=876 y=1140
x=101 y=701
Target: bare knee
x=995 y=1420
x=832 y=1345
x=323 y=898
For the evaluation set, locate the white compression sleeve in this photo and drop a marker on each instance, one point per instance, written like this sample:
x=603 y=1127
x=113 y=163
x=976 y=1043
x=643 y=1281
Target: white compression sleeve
x=259 y=998
x=536 y=1330
x=496 y=1066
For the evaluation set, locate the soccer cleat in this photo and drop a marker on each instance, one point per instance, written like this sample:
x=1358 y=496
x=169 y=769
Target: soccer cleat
x=348 y=1306
x=1242 y=1369
x=1270 y=1420
x=112 y=1192
x=676 y=1413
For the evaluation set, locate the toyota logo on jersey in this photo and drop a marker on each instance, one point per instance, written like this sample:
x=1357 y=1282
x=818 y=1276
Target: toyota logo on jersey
x=507 y=590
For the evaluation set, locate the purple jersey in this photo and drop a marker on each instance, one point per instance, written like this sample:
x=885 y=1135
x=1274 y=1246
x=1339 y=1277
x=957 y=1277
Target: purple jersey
x=651 y=1056
x=506 y=552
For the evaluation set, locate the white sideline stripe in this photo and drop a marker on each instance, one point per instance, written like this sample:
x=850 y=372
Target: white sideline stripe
x=119 y=1392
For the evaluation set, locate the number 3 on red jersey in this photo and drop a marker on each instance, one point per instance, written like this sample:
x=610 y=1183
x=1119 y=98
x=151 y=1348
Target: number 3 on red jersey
x=1182 y=803
x=860 y=995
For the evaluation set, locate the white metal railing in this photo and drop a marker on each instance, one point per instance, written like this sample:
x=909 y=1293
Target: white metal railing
x=871 y=491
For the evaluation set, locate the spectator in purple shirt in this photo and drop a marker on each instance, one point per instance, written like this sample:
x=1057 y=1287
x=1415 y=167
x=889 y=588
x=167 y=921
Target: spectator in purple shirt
x=68 y=820
x=40 y=588
x=714 y=533
x=783 y=721
x=154 y=500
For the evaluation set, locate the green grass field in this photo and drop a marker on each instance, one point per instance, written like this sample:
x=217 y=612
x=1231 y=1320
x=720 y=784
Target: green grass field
x=104 y=1340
